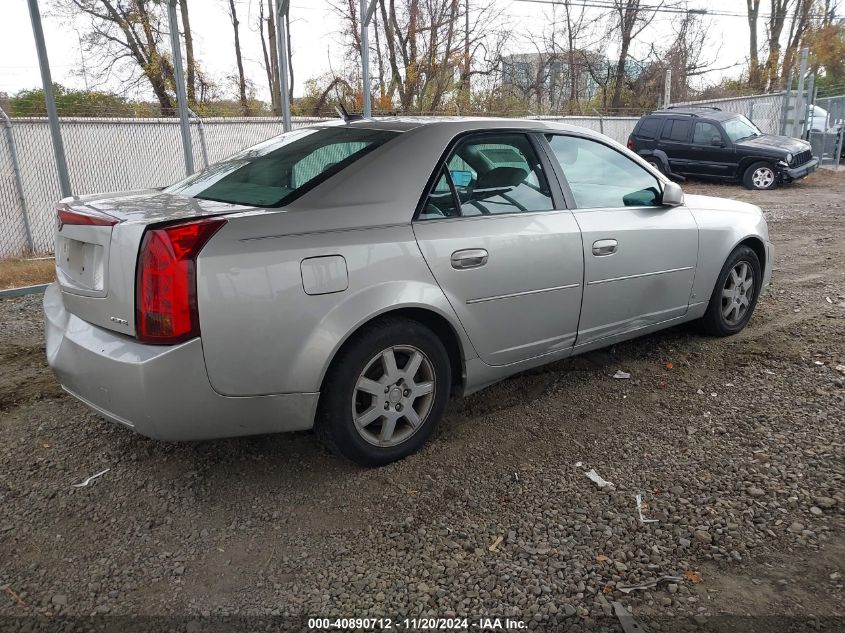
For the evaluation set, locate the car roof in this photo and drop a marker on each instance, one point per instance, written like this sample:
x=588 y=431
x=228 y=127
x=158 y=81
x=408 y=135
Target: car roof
x=692 y=111
x=457 y=124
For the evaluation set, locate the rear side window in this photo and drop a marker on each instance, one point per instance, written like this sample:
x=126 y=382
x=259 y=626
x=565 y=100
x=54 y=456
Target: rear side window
x=277 y=171
x=649 y=127
x=676 y=130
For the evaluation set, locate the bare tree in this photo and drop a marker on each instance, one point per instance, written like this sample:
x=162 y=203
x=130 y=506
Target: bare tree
x=233 y=15
x=753 y=47
x=269 y=65
x=427 y=51
x=127 y=35
x=777 y=20
x=632 y=17
x=191 y=70
x=798 y=27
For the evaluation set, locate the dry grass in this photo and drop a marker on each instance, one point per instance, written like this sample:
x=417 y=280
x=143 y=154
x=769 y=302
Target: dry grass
x=15 y=273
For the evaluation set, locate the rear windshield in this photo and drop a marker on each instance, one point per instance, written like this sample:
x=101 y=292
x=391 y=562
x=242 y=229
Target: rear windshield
x=279 y=170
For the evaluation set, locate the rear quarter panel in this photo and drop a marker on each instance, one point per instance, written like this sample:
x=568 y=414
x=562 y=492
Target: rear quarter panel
x=261 y=332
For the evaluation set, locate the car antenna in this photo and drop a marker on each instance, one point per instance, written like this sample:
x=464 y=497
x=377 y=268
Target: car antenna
x=343 y=114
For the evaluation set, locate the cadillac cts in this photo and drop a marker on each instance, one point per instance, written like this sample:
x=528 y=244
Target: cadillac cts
x=351 y=276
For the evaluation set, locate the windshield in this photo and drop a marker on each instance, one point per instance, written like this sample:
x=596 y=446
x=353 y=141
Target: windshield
x=280 y=169
x=740 y=128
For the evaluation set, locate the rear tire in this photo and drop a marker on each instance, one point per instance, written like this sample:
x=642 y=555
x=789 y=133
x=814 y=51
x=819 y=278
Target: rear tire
x=384 y=393
x=656 y=163
x=735 y=295
x=760 y=176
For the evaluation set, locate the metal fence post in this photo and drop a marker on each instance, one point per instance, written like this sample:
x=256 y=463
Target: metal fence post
x=787 y=94
x=203 y=146
x=49 y=99
x=10 y=139
x=601 y=121
x=800 y=101
x=282 y=9
x=181 y=95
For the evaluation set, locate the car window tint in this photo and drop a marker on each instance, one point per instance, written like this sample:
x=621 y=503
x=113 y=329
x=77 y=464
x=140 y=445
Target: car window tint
x=499 y=173
x=704 y=133
x=676 y=130
x=600 y=176
x=323 y=158
x=649 y=127
x=440 y=202
x=278 y=170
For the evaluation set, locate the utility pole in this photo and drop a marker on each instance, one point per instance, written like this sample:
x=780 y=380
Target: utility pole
x=366 y=17
x=282 y=11
x=667 y=88
x=181 y=95
x=49 y=99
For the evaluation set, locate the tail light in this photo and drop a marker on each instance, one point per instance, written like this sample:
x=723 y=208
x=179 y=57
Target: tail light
x=68 y=216
x=166 y=283
x=630 y=143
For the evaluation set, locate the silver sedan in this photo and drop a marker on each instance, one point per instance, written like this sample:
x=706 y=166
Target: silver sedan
x=350 y=277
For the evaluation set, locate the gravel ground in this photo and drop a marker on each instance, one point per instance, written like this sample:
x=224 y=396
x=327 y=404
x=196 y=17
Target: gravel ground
x=736 y=446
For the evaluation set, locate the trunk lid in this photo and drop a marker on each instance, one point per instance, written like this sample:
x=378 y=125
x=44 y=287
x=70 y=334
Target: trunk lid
x=97 y=253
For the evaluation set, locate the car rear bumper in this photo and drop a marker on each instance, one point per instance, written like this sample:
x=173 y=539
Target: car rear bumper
x=162 y=392
x=795 y=173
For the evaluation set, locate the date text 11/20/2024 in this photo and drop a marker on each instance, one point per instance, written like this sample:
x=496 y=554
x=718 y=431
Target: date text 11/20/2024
x=416 y=624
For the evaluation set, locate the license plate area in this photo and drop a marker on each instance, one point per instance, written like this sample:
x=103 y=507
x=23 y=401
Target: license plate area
x=81 y=256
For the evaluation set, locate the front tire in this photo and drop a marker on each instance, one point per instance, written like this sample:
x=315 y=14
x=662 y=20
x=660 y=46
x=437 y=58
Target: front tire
x=760 y=176
x=384 y=393
x=735 y=296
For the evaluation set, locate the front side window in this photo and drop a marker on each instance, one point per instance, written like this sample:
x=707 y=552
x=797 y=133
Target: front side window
x=600 y=176
x=740 y=128
x=277 y=171
x=491 y=174
x=706 y=134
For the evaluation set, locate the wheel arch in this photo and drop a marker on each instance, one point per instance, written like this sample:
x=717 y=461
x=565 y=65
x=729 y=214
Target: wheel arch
x=445 y=330
x=755 y=244
x=747 y=161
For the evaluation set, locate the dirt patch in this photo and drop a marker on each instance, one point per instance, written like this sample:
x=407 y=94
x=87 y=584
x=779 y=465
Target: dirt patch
x=15 y=273
x=736 y=445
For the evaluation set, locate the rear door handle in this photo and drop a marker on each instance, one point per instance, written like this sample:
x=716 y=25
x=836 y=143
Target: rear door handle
x=602 y=248
x=469 y=258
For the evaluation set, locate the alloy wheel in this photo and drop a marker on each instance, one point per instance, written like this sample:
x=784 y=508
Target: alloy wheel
x=737 y=293
x=393 y=395
x=763 y=177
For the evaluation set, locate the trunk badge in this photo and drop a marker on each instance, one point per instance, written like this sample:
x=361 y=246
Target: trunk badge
x=118 y=321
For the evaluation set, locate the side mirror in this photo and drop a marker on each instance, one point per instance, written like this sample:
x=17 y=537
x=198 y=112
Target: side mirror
x=673 y=195
x=717 y=141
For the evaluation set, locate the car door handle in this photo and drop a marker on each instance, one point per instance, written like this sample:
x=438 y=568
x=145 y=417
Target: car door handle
x=604 y=247
x=469 y=258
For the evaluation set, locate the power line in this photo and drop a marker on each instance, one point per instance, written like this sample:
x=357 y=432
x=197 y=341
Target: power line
x=608 y=4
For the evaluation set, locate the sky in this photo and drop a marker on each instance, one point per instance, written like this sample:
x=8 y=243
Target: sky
x=316 y=41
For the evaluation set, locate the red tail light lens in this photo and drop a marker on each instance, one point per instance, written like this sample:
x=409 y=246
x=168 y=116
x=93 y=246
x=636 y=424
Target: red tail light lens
x=66 y=216
x=166 y=286
x=630 y=144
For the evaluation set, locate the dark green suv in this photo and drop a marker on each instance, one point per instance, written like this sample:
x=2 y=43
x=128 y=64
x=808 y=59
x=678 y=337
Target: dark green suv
x=710 y=143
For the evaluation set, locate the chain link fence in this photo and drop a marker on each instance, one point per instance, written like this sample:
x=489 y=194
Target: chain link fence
x=115 y=154
x=827 y=129
x=103 y=155
x=765 y=111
